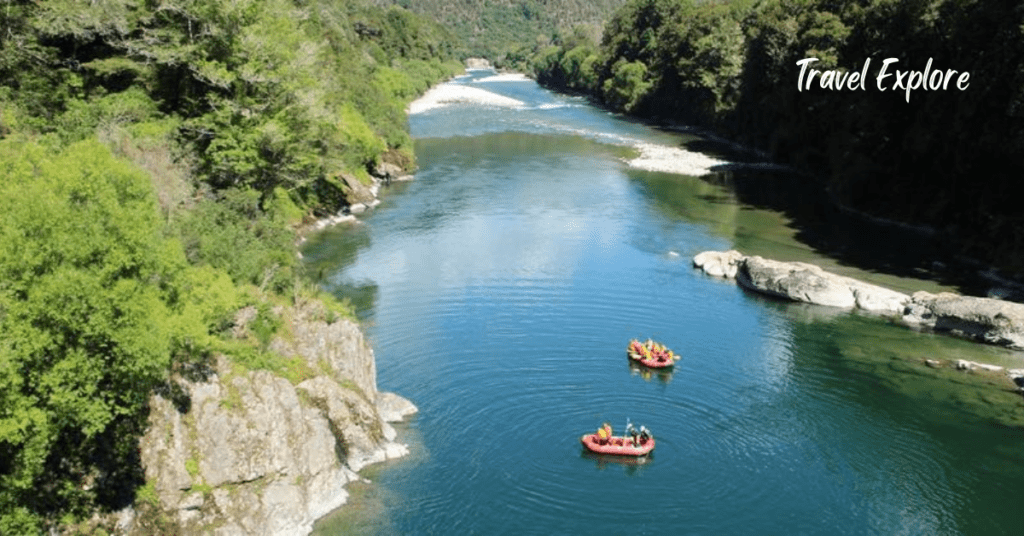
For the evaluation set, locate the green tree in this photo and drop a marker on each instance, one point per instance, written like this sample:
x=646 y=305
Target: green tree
x=628 y=85
x=90 y=312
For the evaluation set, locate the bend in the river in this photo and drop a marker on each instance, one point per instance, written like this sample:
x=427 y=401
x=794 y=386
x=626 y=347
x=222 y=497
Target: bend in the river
x=501 y=286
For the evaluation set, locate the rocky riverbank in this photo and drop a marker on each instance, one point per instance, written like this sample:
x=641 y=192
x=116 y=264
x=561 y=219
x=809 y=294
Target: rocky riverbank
x=360 y=197
x=985 y=320
x=239 y=451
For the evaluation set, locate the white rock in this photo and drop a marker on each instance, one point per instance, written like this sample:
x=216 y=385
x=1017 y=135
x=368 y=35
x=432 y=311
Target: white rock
x=394 y=408
x=879 y=299
x=396 y=450
x=719 y=263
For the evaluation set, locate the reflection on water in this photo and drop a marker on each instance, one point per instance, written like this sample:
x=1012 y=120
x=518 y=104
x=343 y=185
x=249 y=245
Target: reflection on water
x=663 y=375
x=810 y=232
x=500 y=287
x=631 y=465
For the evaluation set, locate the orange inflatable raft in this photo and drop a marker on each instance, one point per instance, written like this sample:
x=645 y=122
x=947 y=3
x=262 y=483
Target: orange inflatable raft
x=617 y=445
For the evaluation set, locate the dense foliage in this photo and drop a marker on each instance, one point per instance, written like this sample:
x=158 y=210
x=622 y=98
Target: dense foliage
x=155 y=156
x=945 y=158
x=91 y=311
x=498 y=29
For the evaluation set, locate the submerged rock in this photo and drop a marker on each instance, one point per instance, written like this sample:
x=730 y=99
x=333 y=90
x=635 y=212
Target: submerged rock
x=1017 y=377
x=963 y=364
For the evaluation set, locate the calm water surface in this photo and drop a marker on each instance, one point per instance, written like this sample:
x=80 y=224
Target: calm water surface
x=500 y=288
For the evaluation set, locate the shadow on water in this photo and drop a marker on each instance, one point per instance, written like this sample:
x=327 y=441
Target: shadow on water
x=890 y=363
x=328 y=253
x=664 y=376
x=971 y=422
x=879 y=408
x=852 y=240
x=632 y=464
x=362 y=296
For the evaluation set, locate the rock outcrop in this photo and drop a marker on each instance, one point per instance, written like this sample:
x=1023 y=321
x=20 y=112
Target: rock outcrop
x=478 y=63
x=719 y=263
x=986 y=320
x=248 y=452
x=354 y=190
x=359 y=197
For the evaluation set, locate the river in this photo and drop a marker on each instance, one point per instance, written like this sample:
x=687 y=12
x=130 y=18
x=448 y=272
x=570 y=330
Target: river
x=499 y=290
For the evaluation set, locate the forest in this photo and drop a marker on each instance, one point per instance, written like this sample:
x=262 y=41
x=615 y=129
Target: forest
x=496 y=29
x=157 y=159
x=158 y=156
x=945 y=159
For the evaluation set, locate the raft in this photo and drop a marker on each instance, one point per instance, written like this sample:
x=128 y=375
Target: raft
x=651 y=354
x=617 y=446
x=653 y=362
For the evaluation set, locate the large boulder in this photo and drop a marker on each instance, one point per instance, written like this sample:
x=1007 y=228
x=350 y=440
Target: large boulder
x=393 y=408
x=799 y=281
x=719 y=263
x=982 y=319
x=354 y=190
x=878 y=299
x=986 y=320
x=389 y=171
x=795 y=281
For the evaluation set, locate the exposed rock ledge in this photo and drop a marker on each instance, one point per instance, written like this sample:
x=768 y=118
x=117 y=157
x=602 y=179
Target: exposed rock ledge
x=359 y=197
x=981 y=319
x=250 y=453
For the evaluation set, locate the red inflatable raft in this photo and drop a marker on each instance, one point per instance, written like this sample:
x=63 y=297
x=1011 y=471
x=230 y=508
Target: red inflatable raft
x=651 y=354
x=618 y=446
x=653 y=362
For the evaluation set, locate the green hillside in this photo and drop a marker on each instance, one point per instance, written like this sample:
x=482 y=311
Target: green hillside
x=496 y=28
x=156 y=157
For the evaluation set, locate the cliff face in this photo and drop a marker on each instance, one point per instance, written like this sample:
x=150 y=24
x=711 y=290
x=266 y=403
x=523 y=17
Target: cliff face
x=248 y=452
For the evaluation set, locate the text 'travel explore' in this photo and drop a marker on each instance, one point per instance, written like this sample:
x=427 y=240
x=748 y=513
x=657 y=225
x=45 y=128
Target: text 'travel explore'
x=887 y=78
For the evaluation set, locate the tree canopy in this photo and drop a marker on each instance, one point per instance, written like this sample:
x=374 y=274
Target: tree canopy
x=944 y=158
x=155 y=157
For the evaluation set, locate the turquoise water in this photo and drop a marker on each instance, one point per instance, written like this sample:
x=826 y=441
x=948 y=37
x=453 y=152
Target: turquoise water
x=500 y=288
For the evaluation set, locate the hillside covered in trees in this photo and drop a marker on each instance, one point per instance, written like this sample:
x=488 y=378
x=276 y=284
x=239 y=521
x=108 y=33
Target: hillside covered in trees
x=496 y=29
x=156 y=158
x=947 y=158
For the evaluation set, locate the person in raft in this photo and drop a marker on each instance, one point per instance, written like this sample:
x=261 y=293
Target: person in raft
x=604 y=433
x=632 y=433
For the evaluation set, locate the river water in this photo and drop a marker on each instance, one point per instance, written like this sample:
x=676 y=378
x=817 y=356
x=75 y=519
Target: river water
x=499 y=290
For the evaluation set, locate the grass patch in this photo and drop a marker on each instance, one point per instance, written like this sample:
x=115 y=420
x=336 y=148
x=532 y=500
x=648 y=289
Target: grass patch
x=192 y=466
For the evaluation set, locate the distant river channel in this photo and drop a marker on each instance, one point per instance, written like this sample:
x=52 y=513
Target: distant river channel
x=499 y=290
